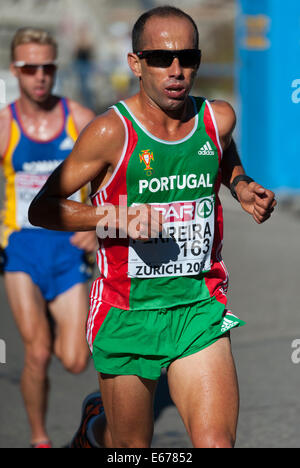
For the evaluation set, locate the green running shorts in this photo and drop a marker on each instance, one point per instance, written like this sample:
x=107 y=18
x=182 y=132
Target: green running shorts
x=142 y=342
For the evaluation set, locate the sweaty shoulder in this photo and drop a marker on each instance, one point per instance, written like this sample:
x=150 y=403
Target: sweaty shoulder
x=81 y=115
x=225 y=118
x=104 y=137
x=5 y=121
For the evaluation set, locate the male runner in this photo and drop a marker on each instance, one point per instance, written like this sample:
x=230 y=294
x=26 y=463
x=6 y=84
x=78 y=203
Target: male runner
x=158 y=302
x=43 y=269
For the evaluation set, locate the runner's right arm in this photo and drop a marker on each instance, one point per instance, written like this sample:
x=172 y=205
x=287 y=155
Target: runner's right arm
x=93 y=159
x=82 y=116
x=89 y=159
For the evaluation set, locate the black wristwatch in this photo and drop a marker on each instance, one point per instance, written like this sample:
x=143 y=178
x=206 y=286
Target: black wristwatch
x=236 y=180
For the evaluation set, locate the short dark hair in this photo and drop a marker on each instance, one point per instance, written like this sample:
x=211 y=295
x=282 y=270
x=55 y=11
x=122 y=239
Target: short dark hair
x=162 y=12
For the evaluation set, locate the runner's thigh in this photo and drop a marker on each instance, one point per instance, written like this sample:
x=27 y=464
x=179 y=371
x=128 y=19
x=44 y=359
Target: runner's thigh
x=128 y=403
x=70 y=310
x=204 y=388
x=28 y=307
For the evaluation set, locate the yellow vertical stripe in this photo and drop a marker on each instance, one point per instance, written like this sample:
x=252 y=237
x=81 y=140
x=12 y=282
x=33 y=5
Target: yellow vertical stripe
x=9 y=214
x=71 y=128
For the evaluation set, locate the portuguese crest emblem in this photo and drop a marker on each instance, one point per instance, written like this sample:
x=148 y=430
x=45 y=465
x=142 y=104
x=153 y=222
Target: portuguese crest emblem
x=146 y=157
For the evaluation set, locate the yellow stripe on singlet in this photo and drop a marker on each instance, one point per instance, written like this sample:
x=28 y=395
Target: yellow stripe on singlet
x=71 y=128
x=9 y=214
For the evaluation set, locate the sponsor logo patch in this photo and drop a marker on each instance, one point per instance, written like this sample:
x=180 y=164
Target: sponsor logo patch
x=206 y=150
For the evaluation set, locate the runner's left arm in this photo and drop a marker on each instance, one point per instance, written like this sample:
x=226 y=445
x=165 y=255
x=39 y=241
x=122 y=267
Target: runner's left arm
x=254 y=199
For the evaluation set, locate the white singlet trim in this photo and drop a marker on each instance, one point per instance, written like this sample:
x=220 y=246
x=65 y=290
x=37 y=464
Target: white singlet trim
x=215 y=125
x=103 y=189
x=165 y=141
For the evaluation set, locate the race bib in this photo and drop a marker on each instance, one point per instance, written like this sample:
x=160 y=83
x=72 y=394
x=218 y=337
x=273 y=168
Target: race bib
x=27 y=187
x=185 y=246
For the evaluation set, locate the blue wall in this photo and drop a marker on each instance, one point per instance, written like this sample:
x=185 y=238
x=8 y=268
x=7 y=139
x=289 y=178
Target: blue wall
x=268 y=89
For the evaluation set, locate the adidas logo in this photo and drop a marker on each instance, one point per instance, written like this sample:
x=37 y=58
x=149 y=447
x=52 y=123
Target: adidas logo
x=227 y=325
x=206 y=150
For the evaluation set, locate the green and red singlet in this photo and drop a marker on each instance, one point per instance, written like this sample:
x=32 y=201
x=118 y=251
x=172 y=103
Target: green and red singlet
x=181 y=179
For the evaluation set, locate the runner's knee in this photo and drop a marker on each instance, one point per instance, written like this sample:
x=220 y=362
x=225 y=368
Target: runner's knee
x=212 y=439
x=74 y=360
x=37 y=357
x=130 y=443
x=74 y=364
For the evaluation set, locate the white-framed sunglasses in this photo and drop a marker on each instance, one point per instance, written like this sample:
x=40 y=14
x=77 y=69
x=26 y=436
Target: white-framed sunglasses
x=31 y=68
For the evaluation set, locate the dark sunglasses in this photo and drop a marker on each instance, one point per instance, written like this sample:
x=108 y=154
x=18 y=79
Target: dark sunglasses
x=31 y=68
x=188 y=58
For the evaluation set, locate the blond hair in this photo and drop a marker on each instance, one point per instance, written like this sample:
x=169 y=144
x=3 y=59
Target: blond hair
x=29 y=35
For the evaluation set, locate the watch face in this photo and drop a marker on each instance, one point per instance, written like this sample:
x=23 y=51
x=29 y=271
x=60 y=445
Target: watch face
x=236 y=180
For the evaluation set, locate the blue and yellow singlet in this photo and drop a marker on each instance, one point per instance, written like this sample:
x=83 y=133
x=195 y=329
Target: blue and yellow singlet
x=27 y=164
